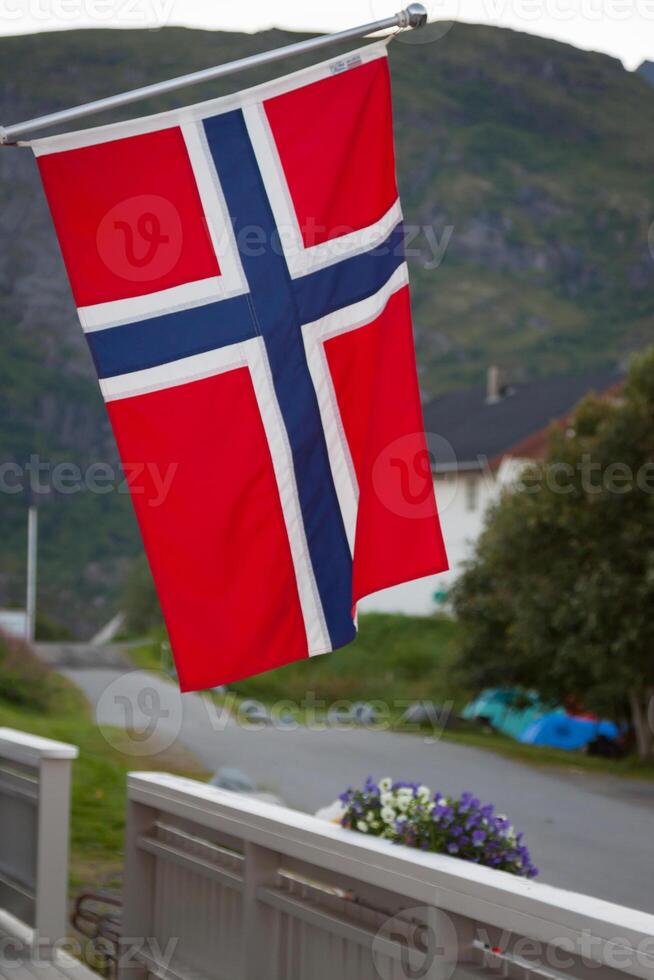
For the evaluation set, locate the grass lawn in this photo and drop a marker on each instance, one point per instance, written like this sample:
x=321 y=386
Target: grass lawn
x=394 y=658
x=541 y=755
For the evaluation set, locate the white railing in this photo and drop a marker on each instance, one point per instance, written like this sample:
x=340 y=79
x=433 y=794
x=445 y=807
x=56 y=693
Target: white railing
x=223 y=887
x=35 y=778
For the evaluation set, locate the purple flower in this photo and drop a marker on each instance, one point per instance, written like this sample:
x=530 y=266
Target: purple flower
x=461 y=827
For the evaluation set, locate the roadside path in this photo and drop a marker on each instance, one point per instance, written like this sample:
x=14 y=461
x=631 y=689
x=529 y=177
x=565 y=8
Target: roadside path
x=588 y=833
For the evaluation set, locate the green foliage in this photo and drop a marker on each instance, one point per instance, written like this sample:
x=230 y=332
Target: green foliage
x=559 y=594
x=139 y=602
x=48 y=630
x=393 y=658
x=24 y=680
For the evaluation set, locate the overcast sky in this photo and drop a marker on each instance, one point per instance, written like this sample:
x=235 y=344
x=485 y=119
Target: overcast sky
x=623 y=28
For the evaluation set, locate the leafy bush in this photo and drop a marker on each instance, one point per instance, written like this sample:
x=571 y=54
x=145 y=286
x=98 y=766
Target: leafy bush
x=24 y=680
x=559 y=592
x=408 y=813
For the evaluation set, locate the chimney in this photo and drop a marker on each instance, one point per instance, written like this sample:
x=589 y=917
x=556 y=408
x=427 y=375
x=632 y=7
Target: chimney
x=493 y=389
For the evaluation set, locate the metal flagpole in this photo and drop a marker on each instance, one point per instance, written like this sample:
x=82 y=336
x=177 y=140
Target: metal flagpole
x=32 y=557
x=415 y=15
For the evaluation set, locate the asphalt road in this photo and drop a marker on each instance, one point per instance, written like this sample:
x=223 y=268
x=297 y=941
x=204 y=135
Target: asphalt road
x=587 y=833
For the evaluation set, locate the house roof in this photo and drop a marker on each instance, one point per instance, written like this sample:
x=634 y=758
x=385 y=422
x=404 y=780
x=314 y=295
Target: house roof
x=473 y=427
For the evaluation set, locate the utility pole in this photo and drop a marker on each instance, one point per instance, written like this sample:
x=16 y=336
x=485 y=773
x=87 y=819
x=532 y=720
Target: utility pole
x=32 y=558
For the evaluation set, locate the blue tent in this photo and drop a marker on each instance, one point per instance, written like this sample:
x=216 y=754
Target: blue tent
x=533 y=723
x=562 y=731
x=498 y=706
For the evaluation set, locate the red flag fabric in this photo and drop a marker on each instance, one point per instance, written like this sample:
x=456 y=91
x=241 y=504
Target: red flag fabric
x=239 y=272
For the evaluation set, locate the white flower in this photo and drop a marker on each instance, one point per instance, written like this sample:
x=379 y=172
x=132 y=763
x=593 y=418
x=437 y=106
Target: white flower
x=401 y=818
x=385 y=784
x=362 y=826
x=370 y=816
x=387 y=799
x=405 y=791
x=387 y=814
x=423 y=793
x=403 y=804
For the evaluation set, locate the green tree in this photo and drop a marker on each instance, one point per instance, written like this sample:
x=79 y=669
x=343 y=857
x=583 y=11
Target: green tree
x=559 y=595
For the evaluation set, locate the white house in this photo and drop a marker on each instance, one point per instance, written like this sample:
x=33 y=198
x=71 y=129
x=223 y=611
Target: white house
x=480 y=439
x=13 y=622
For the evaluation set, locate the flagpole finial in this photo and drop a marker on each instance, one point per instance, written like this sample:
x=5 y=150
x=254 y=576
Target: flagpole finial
x=415 y=15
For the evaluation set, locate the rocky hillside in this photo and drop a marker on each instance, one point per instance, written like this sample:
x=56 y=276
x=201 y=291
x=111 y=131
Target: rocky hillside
x=528 y=166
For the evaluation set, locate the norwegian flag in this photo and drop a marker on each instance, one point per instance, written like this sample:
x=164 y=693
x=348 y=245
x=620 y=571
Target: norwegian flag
x=238 y=269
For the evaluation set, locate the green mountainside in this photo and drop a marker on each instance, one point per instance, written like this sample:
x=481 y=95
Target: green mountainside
x=647 y=71
x=531 y=160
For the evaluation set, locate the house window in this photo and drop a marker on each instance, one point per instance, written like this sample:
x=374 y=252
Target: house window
x=472 y=489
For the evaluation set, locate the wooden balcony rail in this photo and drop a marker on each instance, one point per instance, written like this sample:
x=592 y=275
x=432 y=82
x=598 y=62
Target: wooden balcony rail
x=35 y=778
x=223 y=887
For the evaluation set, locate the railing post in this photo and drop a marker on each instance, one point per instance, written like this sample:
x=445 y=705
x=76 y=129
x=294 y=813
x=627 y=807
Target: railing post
x=52 y=843
x=138 y=892
x=259 y=932
x=45 y=836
